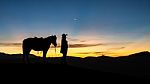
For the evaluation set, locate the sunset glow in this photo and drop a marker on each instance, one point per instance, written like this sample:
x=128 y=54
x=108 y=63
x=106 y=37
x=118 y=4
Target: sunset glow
x=90 y=48
x=94 y=27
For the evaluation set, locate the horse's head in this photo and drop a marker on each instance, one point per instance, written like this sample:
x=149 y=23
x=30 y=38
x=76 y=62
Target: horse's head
x=53 y=40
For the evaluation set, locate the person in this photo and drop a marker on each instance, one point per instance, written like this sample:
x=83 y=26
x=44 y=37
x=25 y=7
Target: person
x=64 y=48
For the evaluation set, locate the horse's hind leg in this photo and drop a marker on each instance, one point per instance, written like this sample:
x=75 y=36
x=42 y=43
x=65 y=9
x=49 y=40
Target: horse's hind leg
x=24 y=55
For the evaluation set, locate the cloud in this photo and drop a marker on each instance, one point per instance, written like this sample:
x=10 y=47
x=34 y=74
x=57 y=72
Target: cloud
x=10 y=44
x=73 y=39
x=100 y=44
x=118 y=43
x=118 y=48
x=97 y=53
x=83 y=45
x=74 y=45
x=90 y=53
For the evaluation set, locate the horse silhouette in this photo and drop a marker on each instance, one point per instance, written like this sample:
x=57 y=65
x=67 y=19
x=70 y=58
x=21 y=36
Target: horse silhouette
x=38 y=44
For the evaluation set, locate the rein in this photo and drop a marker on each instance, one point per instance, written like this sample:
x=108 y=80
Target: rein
x=55 y=51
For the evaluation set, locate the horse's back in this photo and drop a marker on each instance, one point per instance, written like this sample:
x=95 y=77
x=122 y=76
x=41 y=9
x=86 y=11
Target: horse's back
x=33 y=41
x=36 y=44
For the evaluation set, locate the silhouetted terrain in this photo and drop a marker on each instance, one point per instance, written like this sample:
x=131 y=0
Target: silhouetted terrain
x=129 y=67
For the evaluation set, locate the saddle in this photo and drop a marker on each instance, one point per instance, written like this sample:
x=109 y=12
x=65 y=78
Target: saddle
x=38 y=39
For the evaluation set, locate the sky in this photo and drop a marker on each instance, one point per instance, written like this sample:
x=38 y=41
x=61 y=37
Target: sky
x=94 y=27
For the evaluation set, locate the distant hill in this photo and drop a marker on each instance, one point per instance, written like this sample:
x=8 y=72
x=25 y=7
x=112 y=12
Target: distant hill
x=136 y=65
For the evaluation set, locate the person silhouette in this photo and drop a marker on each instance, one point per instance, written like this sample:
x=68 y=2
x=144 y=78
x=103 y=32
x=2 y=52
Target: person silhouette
x=64 y=48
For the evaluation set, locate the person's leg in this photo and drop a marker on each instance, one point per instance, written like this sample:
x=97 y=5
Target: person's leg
x=65 y=59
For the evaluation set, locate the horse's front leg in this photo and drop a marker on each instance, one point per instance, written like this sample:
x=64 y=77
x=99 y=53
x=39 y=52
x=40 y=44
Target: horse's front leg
x=44 y=55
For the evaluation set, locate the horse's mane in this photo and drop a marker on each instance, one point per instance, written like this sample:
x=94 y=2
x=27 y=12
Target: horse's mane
x=51 y=36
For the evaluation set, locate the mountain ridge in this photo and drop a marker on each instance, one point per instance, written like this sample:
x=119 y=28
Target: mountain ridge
x=136 y=65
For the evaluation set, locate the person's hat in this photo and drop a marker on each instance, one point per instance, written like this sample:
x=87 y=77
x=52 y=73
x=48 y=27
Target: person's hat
x=64 y=35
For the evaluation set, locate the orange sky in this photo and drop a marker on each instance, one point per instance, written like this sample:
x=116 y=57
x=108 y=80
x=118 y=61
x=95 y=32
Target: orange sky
x=89 y=46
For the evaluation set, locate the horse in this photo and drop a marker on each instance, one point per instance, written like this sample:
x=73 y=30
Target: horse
x=37 y=44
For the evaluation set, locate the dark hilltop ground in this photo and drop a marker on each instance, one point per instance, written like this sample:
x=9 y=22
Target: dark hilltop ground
x=134 y=67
